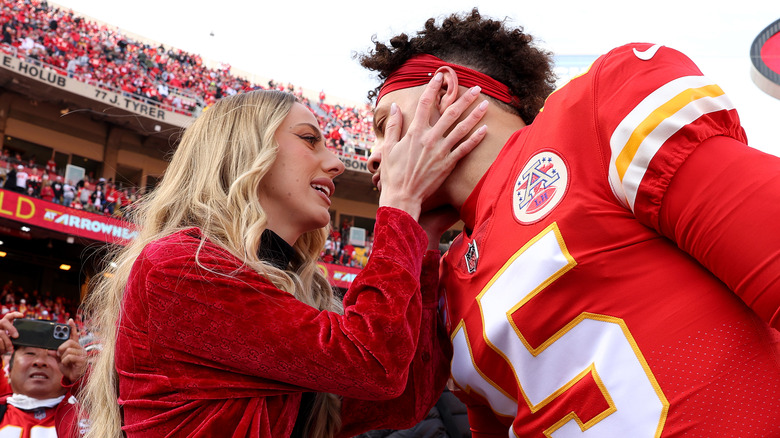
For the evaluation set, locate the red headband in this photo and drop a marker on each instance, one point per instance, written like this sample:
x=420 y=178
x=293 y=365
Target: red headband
x=419 y=69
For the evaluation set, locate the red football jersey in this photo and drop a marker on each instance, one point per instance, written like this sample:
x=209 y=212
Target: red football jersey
x=571 y=315
x=38 y=423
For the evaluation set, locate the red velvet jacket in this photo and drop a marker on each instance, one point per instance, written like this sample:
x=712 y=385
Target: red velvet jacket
x=207 y=347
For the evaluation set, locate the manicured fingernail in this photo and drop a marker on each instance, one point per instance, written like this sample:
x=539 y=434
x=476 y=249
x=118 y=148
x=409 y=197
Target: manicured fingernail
x=438 y=76
x=483 y=105
x=475 y=90
x=482 y=129
x=393 y=108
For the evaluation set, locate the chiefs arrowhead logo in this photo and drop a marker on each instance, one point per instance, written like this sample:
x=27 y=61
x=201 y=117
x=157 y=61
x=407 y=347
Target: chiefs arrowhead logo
x=539 y=187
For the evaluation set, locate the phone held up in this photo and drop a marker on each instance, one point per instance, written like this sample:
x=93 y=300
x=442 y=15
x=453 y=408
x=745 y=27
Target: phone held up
x=40 y=333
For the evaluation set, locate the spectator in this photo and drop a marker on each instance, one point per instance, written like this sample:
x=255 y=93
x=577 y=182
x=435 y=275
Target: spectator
x=21 y=179
x=59 y=190
x=85 y=191
x=68 y=192
x=327 y=256
x=102 y=56
x=40 y=401
x=97 y=199
x=47 y=192
x=346 y=254
x=34 y=182
x=110 y=199
x=51 y=165
x=71 y=67
x=10 y=180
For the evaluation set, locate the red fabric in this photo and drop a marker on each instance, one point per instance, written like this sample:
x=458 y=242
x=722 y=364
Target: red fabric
x=428 y=374
x=47 y=193
x=598 y=306
x=419 y=70
x=63 y=419
x=725 y=201
x=208 y=348
x=5 y=385
x=19 y=423
x=66 y=417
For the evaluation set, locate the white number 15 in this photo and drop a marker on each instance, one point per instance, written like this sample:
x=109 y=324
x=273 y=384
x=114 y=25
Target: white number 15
x=595 y=344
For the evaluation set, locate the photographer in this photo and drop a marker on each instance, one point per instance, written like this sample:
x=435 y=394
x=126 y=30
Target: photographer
x=43 y=382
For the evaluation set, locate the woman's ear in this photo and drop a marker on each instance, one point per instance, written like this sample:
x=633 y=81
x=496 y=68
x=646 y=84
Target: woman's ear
x=449 y=88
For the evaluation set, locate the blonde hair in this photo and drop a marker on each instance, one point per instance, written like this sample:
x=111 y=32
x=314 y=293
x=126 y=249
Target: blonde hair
x=211 y=183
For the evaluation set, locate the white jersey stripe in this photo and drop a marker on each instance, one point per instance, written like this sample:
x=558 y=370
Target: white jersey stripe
x=629 y=131
x=656 y=139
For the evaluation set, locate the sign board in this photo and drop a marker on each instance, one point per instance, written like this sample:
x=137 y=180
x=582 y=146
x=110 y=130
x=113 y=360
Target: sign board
x=58 y=78
x=45 y=214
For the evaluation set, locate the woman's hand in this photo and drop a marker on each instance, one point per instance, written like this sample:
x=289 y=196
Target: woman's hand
x=413 y=167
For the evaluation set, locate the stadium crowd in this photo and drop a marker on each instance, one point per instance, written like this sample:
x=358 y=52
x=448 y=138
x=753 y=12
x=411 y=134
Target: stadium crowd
x=99 y=196
x=170 y=78
x=340 y=251
x=35 y=305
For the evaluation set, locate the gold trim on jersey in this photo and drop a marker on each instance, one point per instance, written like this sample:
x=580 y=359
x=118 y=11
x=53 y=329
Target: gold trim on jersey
x=467 y=388
x=651 y=123
x=570 y=263
x=658 y=116
x=573 y=415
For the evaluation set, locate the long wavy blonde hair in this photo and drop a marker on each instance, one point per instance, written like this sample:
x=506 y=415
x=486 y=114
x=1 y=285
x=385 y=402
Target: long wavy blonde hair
x=211 y=183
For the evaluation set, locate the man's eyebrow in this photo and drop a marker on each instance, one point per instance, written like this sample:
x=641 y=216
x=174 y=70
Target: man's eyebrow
x=379 y=121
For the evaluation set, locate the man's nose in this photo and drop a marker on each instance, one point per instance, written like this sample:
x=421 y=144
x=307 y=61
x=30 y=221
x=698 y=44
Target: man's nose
x=375 y=159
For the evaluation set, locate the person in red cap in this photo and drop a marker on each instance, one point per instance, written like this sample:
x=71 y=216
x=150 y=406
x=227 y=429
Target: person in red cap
x=618 y=271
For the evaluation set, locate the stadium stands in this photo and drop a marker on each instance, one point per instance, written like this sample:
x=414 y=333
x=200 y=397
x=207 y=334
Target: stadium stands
x=172 y=79
x=58 y=72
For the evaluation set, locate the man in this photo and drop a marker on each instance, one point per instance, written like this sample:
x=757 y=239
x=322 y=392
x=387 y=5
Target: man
x=618 y=272
x=21 y=179
x=40 y=406
x=59 y=190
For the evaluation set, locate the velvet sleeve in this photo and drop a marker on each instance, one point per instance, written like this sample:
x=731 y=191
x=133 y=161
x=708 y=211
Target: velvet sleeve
x=220 y=330
x=722 y=207
x=428 y=373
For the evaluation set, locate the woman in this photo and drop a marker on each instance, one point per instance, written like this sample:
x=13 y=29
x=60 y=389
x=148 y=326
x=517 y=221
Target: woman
x=216 y=319
x=47 y=192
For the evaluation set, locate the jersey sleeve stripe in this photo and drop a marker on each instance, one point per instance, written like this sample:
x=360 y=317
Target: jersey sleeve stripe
x=669 y=127
x=642 y=133
x=656 y=118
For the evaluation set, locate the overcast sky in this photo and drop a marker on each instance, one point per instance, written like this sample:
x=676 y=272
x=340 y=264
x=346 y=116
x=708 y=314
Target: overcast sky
x=311 y=43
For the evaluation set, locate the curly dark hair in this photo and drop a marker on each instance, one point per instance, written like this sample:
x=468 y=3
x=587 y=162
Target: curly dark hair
x=505 y=54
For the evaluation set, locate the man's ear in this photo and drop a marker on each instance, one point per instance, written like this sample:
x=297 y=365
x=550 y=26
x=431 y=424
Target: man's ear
x=449 y=88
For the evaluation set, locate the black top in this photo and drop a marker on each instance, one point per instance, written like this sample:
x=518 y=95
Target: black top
x=279 y=253
x=276 y=250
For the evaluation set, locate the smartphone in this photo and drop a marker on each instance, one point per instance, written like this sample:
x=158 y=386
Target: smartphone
x=40 y=333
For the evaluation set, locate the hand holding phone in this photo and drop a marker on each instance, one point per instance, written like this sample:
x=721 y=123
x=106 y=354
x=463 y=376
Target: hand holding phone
x=40 y=333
